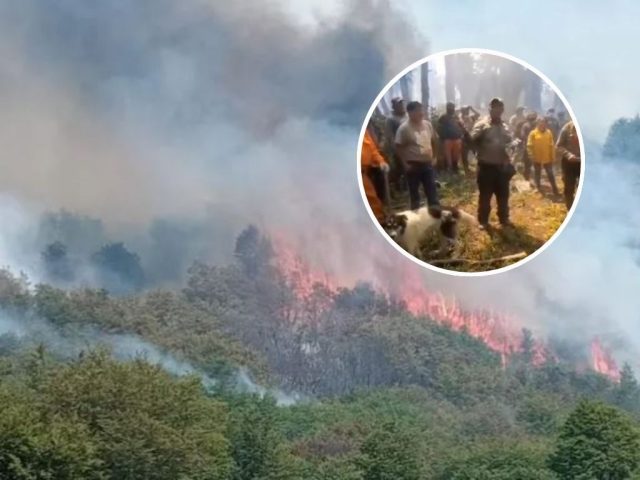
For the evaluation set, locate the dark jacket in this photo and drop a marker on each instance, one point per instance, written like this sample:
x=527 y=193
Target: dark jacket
x=450 y=127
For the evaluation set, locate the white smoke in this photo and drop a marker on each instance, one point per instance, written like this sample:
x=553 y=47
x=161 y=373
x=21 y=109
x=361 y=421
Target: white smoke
x=126 y=347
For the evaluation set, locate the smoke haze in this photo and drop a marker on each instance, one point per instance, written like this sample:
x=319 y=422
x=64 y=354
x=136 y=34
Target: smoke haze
x=175 y=124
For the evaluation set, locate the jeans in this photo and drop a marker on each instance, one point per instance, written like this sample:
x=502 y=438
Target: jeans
x=570 y=177
x=422 y=174
x=492 y=181
x=548 y=168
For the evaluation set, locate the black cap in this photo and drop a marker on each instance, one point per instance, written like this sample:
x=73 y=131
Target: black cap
x=411 y=106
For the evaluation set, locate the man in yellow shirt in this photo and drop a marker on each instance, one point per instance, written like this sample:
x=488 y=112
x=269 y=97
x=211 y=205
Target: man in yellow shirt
x=542 y=152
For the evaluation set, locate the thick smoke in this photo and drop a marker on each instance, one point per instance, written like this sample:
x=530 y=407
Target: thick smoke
x=175 y=124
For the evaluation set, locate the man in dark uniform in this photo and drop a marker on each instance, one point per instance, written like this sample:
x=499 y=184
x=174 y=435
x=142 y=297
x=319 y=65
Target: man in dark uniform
x=491 y=138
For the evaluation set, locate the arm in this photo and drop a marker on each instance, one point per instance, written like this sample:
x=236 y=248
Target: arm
x=435 y=142
x=389 y=136
x=400 y=143
x=377 y=160
x=530 y=145
x=562 y=143
x=477 y=132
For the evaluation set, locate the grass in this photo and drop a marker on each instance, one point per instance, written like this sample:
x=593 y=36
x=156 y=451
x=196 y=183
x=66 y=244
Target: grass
x=536 y=217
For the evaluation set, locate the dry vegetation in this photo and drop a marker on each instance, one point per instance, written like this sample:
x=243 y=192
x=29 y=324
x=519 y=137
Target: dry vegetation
x=536 y=217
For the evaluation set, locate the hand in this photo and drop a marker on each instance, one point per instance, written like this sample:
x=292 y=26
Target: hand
x=384 y=167
x=574 y=158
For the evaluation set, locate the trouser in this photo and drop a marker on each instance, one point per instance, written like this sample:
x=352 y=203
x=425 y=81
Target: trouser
x=372 y=197
x=570 y=177
x=397 y=174
x=377 y=178
x=548 y=168
x=422 y=174
x=452 y=154
x=527 y=164
x=466 y=150
x=492 y=181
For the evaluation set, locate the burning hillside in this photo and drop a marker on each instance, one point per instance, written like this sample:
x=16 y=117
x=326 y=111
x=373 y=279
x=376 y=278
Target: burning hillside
x=602 y=361
x=500 y=332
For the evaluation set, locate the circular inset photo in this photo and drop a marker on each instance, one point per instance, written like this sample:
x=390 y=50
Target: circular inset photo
x=470 y=162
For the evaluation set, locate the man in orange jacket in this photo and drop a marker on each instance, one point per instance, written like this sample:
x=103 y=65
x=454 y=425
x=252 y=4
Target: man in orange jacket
x=372 y=158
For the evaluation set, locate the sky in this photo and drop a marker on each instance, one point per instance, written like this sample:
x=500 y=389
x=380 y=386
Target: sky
x=208 y=116
x=587 y=48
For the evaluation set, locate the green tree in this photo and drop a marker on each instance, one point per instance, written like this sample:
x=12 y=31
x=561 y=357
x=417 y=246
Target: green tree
x=256 y=443
x=499 y=461
x=627 y=392
x=389 y=452
x=253 y=250
x=144 y=423
x=596 y=442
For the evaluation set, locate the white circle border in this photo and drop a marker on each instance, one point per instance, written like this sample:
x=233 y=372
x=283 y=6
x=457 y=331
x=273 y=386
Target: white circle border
x=422 y=263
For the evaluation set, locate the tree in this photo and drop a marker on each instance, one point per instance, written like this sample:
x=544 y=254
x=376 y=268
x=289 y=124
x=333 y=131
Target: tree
x=389 y=452
x=256 y=444
x=253 y=251
x=119 y=269
x=56 y=262
x=498 y=461
x=623 y=140
x=627 y=392
x=596 y=442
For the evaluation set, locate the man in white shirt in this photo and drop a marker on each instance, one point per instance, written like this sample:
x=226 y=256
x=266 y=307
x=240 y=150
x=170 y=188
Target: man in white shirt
x=415 y=144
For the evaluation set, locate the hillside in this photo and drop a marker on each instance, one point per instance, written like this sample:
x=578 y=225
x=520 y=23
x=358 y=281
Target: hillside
x=385 y=394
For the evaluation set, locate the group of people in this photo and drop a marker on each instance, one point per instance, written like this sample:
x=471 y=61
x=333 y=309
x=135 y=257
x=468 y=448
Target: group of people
x=416 y=149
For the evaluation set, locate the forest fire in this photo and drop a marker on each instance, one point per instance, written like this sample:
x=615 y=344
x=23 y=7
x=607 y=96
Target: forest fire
x=602 y=361
x=502 y=333
x=499 y=332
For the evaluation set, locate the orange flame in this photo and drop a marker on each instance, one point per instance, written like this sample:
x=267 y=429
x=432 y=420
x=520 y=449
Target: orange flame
x=500 y=332
x=603 y=362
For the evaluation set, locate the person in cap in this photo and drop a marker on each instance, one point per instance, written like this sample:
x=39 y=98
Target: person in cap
x=562 y=119
x=416 y=143
x=451 y=132
x=516 y=118
x=552 y=122
x=392 y=123
x=522 y=132
x=491 y=137
x=468 y=116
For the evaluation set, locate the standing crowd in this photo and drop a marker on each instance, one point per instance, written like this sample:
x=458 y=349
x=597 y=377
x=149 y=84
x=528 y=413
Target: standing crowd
x=410 y=151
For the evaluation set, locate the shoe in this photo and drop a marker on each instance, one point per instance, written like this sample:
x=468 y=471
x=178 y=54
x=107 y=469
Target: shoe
x=484 y=227
x=507 y=224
